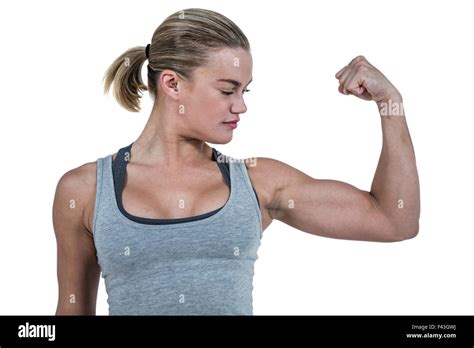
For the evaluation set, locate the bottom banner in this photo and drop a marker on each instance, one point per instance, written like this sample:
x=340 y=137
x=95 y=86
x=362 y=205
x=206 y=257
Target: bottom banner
x=291 y=330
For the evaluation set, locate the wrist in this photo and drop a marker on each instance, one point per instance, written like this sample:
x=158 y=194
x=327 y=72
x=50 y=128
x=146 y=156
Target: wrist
x=391 y=106
x=394 y=96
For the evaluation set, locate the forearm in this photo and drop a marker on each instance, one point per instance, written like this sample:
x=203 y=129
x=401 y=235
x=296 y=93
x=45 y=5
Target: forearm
x=396 y=186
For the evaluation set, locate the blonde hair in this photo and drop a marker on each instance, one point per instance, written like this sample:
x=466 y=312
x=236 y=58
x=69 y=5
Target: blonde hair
x=181 y=43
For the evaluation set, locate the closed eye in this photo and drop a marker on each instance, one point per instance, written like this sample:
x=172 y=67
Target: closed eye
x=229 y=93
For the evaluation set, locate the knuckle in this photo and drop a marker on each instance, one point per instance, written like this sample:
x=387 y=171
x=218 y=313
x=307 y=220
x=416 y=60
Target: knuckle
x=357 y=60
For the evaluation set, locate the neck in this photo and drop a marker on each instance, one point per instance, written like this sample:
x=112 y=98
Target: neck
x=161 y=144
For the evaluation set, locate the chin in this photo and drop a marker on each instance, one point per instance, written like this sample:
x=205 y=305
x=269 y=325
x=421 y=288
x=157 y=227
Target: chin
x=221 y=140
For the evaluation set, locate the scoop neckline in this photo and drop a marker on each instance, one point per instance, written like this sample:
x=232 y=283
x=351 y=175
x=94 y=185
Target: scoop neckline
x=169 y=223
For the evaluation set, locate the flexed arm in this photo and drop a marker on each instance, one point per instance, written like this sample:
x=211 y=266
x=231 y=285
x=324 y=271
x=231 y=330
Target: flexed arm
x=390 y=211
x=396 y=185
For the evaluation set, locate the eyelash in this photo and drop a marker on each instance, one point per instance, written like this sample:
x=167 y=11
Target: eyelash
x=229 y=93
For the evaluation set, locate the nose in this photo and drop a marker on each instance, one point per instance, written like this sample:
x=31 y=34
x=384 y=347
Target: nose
x=239 y=107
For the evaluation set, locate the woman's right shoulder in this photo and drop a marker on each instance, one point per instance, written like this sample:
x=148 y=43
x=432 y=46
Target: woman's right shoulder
x=80 y=180
x=75 y=180
x=75 y=193
x=77 y=188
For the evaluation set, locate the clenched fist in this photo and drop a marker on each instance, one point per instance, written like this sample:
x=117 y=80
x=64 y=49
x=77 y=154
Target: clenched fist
x=362 y=79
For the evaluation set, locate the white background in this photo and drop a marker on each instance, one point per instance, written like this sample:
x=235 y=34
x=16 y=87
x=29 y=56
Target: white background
x=54 y=117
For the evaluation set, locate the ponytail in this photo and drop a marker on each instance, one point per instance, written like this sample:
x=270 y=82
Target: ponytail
x=125 y=75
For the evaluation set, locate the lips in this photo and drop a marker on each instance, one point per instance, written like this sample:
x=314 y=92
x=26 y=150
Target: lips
x=231 y=124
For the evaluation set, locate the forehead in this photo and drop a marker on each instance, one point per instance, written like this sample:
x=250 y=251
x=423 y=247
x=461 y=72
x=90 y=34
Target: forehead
x=229 y=63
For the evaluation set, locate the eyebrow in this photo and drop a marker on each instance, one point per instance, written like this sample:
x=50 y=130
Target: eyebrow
x=234 y=82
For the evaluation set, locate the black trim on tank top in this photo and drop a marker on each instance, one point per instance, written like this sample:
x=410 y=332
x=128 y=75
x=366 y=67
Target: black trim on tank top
x=119 y=165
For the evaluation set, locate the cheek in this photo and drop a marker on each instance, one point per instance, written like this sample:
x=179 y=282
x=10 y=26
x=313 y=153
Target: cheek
x=211 y=104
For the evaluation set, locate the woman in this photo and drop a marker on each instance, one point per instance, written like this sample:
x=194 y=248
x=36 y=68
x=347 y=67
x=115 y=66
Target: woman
x=174 y=225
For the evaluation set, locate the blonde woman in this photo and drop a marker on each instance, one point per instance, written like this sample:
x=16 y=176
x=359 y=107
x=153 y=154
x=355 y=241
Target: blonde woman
x=173 y=224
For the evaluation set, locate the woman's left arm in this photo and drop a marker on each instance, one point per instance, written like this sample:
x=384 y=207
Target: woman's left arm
x=390 y=211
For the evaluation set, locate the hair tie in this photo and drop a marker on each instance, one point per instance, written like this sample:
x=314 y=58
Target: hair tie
x=147 y=51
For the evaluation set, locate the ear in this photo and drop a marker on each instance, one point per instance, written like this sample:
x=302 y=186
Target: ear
x=169 y=83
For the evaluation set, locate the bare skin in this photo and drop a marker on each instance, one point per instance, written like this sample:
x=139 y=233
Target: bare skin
x=172 y=156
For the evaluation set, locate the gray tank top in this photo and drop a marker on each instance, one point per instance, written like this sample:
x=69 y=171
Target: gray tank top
x=202 y=265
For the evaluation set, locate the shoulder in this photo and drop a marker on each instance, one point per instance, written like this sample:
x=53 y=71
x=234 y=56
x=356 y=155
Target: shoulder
x=274 y=177
x=269 y=177
x=78 y=178
x=75 y=192
x=277 y=173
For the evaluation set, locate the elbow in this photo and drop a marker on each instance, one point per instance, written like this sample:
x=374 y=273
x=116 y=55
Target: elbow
x=406 y=232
